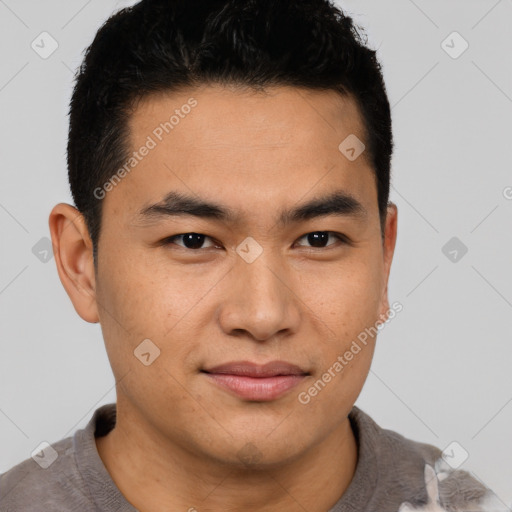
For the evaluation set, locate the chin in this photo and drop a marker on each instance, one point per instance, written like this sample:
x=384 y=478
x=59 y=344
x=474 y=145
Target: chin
x=261 y=453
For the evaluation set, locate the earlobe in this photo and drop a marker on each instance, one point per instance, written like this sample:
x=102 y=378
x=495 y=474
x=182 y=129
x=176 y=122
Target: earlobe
x=73 y=252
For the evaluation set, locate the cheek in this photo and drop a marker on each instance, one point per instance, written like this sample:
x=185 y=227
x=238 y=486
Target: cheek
x=141 y=307
x=126 y=296
x=147 y=298
x=146 y=294
x=128 y=311
x=347 y=295
x=348 y=308
x=347 y=301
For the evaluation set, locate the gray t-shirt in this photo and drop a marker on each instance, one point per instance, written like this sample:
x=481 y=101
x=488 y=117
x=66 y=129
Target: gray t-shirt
x=393 y=474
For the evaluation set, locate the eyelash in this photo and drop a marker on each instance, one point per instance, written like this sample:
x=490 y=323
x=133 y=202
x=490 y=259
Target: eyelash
x=170 y=240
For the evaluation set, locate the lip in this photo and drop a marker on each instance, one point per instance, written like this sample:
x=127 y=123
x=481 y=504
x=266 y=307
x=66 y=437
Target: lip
x=255 y=382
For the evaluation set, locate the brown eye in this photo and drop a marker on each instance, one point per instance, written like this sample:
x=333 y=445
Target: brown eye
x=320 y=239
x=192 y=241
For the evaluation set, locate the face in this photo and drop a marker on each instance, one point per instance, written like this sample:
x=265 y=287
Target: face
x=284 y=261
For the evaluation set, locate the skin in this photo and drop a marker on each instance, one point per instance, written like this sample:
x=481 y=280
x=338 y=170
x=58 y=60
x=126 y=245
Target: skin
x=178 y=437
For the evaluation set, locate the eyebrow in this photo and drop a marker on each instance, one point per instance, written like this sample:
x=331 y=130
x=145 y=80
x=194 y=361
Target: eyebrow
x=177 y=204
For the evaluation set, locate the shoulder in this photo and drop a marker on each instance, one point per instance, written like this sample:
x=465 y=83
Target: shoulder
x=453 y=490
x=414 y=476
x=45 y=482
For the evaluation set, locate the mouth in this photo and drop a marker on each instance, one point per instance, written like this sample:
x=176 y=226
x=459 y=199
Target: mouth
x=254 y=382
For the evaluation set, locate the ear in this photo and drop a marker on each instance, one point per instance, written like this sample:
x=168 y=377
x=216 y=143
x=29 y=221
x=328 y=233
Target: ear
x=389 y=241
x=73 y=252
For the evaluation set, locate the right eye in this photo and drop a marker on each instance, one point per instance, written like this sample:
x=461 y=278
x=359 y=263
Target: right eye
x=193 y=241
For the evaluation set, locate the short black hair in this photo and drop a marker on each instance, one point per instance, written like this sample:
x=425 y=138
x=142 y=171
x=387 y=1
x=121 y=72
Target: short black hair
x=161 y=46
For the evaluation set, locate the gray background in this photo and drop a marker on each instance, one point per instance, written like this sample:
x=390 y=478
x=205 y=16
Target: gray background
x=442 y=367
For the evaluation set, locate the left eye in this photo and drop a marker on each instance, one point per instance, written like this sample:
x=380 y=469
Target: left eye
x=320 y=239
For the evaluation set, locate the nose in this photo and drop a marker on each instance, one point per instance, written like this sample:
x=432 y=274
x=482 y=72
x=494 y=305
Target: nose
x=260 y=302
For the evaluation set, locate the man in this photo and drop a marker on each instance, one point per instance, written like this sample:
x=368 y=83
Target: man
x=230 y=165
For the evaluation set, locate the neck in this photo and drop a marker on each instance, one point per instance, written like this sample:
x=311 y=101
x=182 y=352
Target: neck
x=155 y=474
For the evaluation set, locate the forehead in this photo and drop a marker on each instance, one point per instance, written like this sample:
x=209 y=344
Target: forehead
x=249 y=147
x=277 y=115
